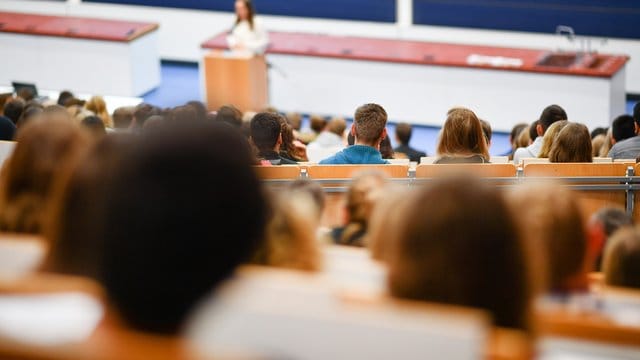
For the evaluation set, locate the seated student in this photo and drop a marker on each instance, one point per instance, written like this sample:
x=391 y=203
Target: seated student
x=622 y=259
x=75 y=215
x=30 y=113
x=572 y=145
x=463 y=251
x=549 y=115
x=141 y=113
x=597 y=143
x=403 y=137
x=550 y=136
x=172 y=226
x=291 y=149
x=64 y=96
x=229 y=114
x=601 y=227
x=368 y=130
x=329 y=142
x=628 y=148
x=622 y=128
x=317 y=123
x=513 y=138
x=266 y=136
x=123 y=117
x=364 y=192
x=386 y=150
x=7 y=129
x=290 y=238
x=95 y=125
x=551 y=223
x=462 y=139
x=13 y=109
x=45 y=150
x=98 y=106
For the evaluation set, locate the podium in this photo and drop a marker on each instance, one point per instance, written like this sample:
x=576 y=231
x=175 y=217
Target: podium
x=236 y=79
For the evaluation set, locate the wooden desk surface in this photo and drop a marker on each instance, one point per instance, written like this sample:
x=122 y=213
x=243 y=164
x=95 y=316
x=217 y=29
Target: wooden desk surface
x=417 y=52
x=74 y=27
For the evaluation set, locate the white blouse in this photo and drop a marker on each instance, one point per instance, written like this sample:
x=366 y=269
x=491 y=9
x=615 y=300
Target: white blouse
x=255 y=40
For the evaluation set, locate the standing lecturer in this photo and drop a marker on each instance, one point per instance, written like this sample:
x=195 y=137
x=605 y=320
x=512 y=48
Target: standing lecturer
x=247 y=34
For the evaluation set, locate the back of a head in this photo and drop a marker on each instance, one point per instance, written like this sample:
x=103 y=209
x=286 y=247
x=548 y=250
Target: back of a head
x=183 y=211
x=13 y=109
x=142 y=112
x=46 y=149
x=636 y=113
x=515 y=131
x=295 y=120
x=464 y=251
x=552 y=225
x=29 y=114
x=551 y=114
x=95 y=125
x=265 y=130
x=64 y=96
x=369 y=121
x=290 y=239
x=598 y=144
x=364 y=191
x=623 y=127
x=462 y=135
x=550 y=136
x=317 y=123
x=612 y=218
x=600 y=131
x=230 y=115
x=200 y=109
x=97 y=105
x=26 y=93
x=337 y=126
x=403 y=133
x=523 y=139
x=122 y=117
x=573 y=144
x=77 y=208
x=622 y=259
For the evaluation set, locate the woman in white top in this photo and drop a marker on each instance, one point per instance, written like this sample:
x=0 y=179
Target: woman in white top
x=247 y=33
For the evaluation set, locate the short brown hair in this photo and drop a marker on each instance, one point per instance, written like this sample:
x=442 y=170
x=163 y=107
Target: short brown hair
x=462 y=135
x=122 y=117
x=573 y=144
x=465 y=251
x=337 y=126
x=317 y=123
x=370 y=120
x=403 y=133
x=622 y=259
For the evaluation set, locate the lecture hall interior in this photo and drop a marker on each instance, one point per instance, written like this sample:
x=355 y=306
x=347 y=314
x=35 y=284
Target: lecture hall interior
x=319 y=179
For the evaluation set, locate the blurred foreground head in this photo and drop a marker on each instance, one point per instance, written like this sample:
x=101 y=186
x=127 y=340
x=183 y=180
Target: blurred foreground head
x=460 y=246
x=184 y=209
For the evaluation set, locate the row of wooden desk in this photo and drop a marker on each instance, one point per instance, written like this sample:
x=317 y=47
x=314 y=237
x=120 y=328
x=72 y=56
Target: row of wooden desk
x=96 y=56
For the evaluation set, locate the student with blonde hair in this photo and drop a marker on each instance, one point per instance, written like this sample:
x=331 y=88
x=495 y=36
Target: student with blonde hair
x=98 y=106
x=550 y=136
x=462 y=139
x=290 y=238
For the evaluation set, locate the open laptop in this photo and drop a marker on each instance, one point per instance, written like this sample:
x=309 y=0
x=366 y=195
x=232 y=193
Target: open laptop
x=20 y=86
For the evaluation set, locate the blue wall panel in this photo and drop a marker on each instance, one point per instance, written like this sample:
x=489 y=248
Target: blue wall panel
x=368 y=10
x=606 y=18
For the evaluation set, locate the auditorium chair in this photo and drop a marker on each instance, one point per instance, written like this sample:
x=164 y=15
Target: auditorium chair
x=20 y=254
x=296 y=315
x=588 y=179
x=348 y=171
x=104 y=337
x=281 y=172
x=481 y=170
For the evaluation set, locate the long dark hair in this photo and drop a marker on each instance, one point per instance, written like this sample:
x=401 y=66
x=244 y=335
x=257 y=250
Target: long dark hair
x=250 y=9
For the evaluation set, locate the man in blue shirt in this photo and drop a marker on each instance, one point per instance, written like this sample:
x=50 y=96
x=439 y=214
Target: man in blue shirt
x=369 y=130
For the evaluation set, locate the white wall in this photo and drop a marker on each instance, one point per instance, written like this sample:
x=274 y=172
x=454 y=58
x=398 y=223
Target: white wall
x=182 y=31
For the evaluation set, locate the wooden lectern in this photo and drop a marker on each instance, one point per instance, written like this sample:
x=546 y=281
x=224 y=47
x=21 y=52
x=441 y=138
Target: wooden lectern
x=237 y=79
